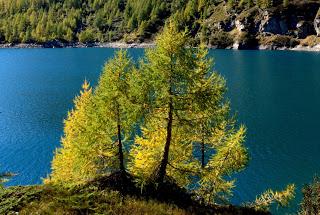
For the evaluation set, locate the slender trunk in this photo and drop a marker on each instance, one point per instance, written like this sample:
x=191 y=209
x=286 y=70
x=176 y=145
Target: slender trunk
x=165 y=158
x=120 y=151
x=202 y=153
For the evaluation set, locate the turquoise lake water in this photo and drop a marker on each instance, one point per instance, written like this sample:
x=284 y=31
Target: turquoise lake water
x=276 y=94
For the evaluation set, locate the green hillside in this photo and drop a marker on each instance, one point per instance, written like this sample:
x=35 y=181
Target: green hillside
x=218 y=23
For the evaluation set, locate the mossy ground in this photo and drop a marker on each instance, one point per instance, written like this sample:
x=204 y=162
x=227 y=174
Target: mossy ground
x=99 y=197
x=45 y=199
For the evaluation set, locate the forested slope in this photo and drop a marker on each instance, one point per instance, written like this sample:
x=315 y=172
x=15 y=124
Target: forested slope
x=219 y=23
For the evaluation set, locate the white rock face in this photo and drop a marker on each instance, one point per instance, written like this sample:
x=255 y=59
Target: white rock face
x=240 y=26
x=235 y=46
x=317 y=23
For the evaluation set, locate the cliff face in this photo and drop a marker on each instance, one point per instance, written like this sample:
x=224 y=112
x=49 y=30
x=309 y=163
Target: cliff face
x=253 y=27
x=317 y=23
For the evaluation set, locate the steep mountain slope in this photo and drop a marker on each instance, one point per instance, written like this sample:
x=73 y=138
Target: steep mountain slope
x=219 y=23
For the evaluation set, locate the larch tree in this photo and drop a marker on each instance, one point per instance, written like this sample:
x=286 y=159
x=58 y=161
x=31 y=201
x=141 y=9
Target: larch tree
x=99 y=126
x=187 y=109
x=217 y=142
x=189 y=134
x=68 y=166
x=116 y=104
x=226 y=155
x=167 y=68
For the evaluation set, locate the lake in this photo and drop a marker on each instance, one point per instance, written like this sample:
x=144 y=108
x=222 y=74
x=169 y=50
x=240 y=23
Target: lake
x=276 y=94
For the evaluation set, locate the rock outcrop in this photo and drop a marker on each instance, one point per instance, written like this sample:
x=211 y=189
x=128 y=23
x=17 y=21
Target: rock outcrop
x=274 y=24
x=304 y=29
x=296 y=20
x=317 y=23
x=276 y=27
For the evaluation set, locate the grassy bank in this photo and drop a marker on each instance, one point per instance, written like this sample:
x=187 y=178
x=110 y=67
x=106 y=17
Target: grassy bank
x=97 y=197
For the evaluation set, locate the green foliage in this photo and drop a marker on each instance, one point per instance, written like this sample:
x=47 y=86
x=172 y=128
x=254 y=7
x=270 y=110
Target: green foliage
x=230 y=157
x=72 y=21
x=68 y=165
x=98 y=129
x=114 y=108
x=87 y=36
x=282 y=41
x=14 y=199
x=170 y=111
x=247 y=3
x=78 y=200
x=167 y=68
x=281 y=198
x=265 y=3
x=187 y=112
x=107 y=20
x=230 y=3
x=221 y=39
x=311 y=198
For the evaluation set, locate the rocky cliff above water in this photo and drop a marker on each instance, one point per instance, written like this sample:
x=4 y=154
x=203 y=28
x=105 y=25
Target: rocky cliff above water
x=296 y=25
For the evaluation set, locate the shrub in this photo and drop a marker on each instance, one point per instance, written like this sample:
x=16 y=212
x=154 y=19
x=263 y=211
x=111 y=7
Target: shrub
x=87 y=36
x=279 y=41
x=221 y=39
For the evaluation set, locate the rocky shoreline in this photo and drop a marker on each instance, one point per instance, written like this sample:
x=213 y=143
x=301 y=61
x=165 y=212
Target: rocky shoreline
x=315 y=48
x=77 y=45
x=296 y=48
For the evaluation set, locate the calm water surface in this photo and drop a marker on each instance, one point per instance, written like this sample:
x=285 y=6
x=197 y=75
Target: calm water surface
x=276 y=95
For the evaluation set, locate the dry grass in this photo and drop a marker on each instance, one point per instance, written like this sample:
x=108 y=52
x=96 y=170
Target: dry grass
x=310 y=41
x=279 y=41
x=219 y=13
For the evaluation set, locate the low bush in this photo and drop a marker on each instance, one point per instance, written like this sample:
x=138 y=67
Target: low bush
x=221 y=39
x=279 y=41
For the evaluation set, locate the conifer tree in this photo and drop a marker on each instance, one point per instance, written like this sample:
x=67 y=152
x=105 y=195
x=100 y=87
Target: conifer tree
x=168 y=67
x=68 y=166
x=229 y=156
x=114 y=102
x=98 y=127
x=187 y=109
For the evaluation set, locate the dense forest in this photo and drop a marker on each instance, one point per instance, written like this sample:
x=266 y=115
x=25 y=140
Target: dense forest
x=87 y=21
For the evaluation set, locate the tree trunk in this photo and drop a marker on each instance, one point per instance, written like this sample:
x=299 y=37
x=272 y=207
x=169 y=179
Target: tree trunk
x=120 y=151
x=202 y=154
x=161 y=173
x=165 y=158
